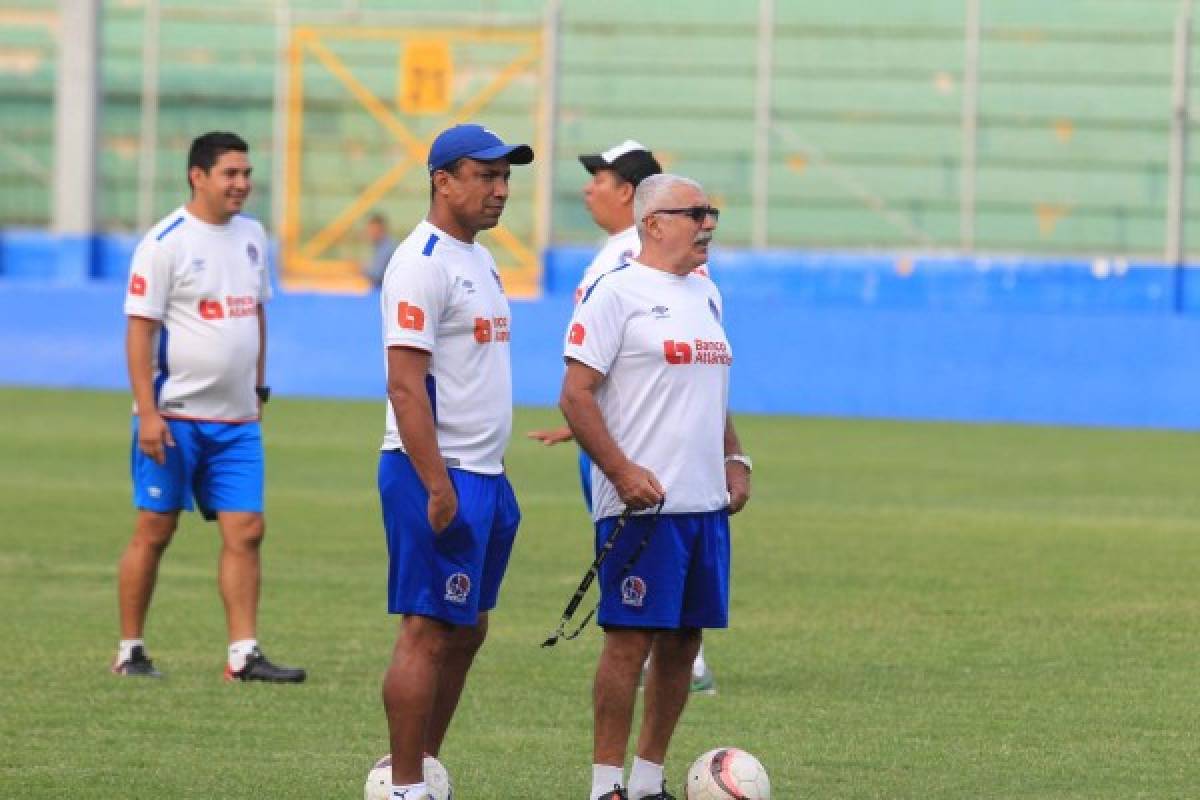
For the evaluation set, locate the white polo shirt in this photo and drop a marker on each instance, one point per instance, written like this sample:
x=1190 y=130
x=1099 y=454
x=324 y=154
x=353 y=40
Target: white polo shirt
x=204 y=283
x=444 y=296
x=659 y=341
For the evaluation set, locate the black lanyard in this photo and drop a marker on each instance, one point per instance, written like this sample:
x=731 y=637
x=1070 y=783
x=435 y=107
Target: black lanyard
x=594 y=570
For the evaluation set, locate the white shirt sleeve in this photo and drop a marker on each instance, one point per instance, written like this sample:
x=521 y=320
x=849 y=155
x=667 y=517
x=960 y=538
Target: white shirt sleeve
x=415 y=293
x=594 y=335
x=149 y=281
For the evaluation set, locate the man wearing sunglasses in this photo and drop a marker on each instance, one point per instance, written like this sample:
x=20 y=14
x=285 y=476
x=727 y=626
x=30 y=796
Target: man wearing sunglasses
x=615 y=175
x=448 y=509
x=645 y=394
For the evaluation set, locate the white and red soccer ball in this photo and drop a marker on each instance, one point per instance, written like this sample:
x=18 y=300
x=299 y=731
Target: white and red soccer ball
x=727 y=773
x=379 y=780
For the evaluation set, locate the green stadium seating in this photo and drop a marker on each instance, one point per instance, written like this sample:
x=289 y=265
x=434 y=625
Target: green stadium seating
x=1073 y=126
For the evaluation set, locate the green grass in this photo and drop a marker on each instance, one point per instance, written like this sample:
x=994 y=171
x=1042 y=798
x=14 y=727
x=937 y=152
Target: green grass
x=919 y=611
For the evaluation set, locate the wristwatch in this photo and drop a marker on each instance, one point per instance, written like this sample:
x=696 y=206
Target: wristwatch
x=263 y=392
x=741 y=458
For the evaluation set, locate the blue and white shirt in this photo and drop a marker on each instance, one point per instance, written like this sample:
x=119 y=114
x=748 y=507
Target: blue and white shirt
x=444 y=296
x=659 y=341
x=204 y=283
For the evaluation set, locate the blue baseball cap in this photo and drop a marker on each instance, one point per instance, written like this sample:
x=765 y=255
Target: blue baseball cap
x=475 y=142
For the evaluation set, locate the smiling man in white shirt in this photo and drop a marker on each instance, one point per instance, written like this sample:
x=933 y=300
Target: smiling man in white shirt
x=196 y=348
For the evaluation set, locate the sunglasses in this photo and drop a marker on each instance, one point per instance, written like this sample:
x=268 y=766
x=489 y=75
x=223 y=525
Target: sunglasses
x=697 y=213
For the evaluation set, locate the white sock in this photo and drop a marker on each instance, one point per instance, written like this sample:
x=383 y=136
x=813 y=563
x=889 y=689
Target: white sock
x=409 y=792
x=125 y=649
x=238 y=651
x=645 y=779
x=412 y=791
x=605 y=778
x=698 y=666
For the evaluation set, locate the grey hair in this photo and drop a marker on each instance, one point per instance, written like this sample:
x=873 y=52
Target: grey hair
x=651 y=191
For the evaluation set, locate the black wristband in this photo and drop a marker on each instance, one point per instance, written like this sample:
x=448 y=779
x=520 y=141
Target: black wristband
x=263 y=392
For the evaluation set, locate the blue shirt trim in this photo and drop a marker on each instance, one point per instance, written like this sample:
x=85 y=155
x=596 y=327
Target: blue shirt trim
x=178 y=221
x=591 y=288
x=431 y=390
x=163 y=371
x=433 y=239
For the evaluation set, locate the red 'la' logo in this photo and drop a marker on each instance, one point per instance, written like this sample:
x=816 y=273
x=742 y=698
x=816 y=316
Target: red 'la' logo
x=677 y=352
x=211 y=309
x=483 y=330
x=410 y=317
x=137 y=285
x=575 y=336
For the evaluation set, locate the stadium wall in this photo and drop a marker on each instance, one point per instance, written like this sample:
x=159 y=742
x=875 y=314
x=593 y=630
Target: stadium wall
x=875 y=335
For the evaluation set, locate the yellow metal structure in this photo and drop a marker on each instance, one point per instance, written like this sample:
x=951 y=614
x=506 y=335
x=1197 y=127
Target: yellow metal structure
x=426 y=77
x=425 y=88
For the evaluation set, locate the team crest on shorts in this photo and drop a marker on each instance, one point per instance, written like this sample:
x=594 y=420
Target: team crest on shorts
x=458 y=587
x=252 y=252
x=633 y=591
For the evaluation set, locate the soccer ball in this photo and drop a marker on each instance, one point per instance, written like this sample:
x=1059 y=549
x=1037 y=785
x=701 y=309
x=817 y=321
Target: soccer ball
x=379 y=780
x=727 y=774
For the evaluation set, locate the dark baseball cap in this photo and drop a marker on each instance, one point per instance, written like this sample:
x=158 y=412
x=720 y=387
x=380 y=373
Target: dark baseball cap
x=631 y=160
x=475 y=142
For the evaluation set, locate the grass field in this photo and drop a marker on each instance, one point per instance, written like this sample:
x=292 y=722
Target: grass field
x=919 y=611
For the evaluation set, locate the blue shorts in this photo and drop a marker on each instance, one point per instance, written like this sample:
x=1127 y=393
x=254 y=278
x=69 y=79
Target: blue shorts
x=453 y=575
x=218 y=463
x=681 y=580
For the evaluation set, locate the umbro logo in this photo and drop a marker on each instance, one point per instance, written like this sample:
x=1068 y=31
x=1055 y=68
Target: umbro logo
x=660 y=312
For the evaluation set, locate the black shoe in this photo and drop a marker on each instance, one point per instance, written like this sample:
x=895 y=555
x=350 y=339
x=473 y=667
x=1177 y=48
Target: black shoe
x=616 y=794
x=257 y=668
x=137 y=665
x=663 y=795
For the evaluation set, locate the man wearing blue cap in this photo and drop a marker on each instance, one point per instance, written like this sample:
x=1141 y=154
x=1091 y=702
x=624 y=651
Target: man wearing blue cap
x=449 y=512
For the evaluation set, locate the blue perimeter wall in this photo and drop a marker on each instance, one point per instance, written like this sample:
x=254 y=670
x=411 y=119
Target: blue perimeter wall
x=833 y=334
